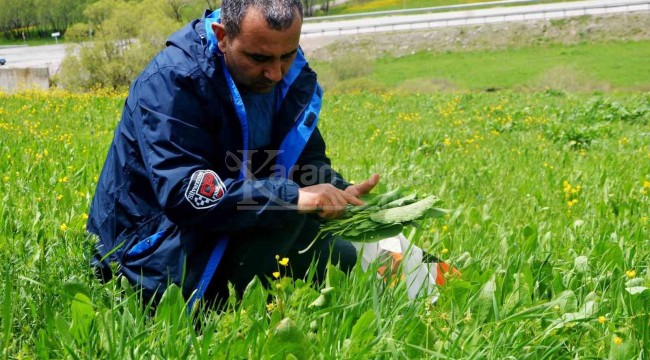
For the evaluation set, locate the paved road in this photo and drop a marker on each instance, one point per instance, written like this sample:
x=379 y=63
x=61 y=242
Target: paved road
x=313 y=32
x=34 y=56
x=471 y=17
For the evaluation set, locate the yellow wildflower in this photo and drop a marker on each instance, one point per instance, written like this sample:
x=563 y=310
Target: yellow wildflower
x=63 y=227
x=284 y=261
x=631 y=274
x=618 y=340
x=445 y=251
x=601 y=319
x=276 y=274
x=84 y=216
x=270 y=306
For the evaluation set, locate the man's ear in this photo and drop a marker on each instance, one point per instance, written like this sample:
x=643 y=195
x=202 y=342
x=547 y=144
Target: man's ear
x=220 y=33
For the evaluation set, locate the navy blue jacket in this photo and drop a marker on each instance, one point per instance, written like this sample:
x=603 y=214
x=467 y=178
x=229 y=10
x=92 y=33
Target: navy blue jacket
x=178 y=183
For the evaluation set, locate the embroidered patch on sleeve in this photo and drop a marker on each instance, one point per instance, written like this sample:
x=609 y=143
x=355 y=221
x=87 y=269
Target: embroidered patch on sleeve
x=205 y=189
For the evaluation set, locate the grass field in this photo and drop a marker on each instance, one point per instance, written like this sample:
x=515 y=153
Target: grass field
x=353 y=7
x=550 y=200
x=617 y=66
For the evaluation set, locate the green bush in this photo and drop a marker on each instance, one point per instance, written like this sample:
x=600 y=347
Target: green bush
x=123 y=42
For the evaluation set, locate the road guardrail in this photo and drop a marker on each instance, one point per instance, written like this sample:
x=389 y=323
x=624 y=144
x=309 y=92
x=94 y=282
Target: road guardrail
x=507 y=14
x=418 y=10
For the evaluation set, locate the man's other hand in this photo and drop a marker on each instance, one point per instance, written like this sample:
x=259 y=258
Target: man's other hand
x=363 y=188
x=326 y=200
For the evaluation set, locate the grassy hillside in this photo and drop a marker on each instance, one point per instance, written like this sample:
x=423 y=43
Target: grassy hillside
x=361 y=6
x=550 y=214
x=620 y=66
x=356 y=6
x=545 y=176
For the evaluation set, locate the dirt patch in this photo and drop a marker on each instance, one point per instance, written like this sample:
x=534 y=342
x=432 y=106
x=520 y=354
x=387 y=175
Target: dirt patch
x=569 y=79
x=629 y=26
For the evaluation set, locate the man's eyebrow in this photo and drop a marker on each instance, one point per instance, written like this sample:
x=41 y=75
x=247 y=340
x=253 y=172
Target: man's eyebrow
x=290 y=53
x=268 y=56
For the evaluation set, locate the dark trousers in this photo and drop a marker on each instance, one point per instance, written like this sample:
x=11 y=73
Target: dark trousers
x=254 y=254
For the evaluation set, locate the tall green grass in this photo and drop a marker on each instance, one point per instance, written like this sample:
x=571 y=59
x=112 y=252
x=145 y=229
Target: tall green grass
x=550 y=197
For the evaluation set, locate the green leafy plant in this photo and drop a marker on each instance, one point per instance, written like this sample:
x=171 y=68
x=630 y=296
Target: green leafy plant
x=380 y=217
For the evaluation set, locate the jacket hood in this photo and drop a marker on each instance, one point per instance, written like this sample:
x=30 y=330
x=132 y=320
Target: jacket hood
x=193 y=41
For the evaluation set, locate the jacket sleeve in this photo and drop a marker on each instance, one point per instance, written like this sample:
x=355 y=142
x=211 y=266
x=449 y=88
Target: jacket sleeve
x=173 y=134
x=313 y=159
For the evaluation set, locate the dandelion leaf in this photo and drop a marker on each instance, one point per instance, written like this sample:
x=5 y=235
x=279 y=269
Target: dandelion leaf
x=286 y=339
x=376 y=234
x=83 y=314
x=171 y=306
x=408 y=199
x=567 y=301
x=320 y=301
x=254 y=297
x=388 y=197
x=606 y=256
x=303 y=295
x=405 y=213
x=363 y=333
x=483 y=304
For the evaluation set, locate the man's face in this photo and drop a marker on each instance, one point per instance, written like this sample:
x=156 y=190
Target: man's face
x=258 y=57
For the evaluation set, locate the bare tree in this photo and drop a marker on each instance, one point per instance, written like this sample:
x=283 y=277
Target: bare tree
x=308 y=8
x=326 y=7
x=174 y=9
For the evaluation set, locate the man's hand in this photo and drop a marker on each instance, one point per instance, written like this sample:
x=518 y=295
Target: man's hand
x=363 y=188
x=325 y=199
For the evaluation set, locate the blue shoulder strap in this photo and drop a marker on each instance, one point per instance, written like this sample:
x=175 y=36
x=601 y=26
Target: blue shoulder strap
x=296 y=139
x=222 y=243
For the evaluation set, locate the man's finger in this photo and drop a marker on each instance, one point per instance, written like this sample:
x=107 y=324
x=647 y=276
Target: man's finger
x=324 y=209
x=341 y=203
x=367 y=185
x=351 y=199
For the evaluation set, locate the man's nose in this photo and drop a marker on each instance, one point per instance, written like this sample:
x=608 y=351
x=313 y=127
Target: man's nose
x=273 y=72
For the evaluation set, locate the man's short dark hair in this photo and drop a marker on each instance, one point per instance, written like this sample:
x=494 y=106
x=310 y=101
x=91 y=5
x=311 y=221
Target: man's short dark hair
x=279 y=14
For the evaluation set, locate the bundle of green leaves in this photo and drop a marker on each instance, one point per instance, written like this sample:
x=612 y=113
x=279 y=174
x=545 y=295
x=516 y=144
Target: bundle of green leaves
x=380 y=217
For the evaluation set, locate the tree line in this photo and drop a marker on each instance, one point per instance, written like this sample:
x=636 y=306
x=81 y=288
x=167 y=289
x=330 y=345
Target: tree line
x=30 y=19
x=27 y=19
x=115 y=39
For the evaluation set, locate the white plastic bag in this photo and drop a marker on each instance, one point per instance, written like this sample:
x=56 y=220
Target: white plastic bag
x=420 y=276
